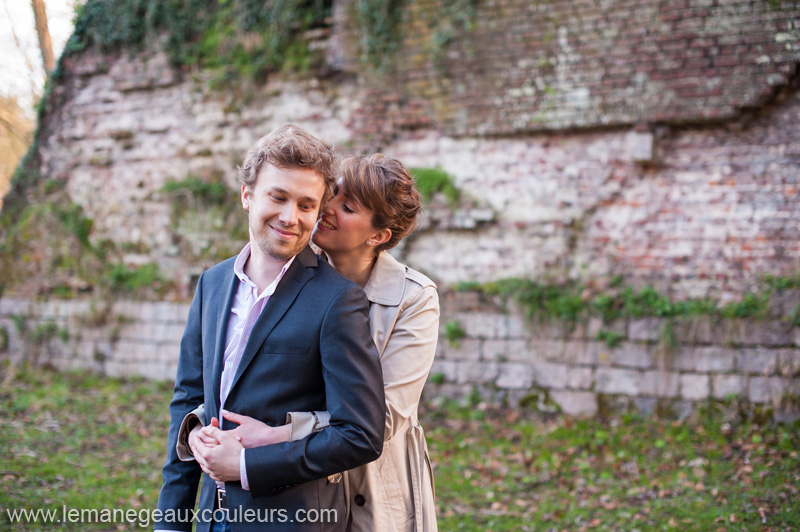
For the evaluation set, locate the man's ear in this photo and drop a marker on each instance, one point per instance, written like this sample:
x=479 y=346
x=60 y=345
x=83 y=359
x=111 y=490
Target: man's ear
x=381 y=237
x=246 y=197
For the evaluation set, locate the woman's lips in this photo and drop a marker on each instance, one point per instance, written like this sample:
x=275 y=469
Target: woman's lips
x=327 y=225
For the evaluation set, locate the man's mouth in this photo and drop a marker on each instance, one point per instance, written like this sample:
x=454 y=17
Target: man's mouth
x=326 y=224
x=282 y=233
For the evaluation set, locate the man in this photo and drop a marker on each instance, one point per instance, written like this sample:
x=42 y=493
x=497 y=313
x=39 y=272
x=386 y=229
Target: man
x=271 y=331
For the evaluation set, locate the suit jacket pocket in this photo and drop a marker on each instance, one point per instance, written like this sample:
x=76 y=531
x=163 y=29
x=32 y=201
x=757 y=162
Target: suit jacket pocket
x=285 y=350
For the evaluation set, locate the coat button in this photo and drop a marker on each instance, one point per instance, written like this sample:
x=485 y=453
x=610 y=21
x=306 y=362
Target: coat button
x=360 y=500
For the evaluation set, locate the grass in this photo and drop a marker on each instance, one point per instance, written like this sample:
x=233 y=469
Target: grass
x=84 y=441
x=497 y=470
x=81 y=441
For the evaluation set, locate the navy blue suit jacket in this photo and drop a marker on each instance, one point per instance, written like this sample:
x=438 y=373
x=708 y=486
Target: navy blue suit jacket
x=310 y=349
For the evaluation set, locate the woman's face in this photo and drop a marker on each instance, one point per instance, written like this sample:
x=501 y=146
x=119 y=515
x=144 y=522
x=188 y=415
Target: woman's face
x=345 y=225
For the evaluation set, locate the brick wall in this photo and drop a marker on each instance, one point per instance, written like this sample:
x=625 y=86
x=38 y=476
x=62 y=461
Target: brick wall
x=518 y=66
x=717 y=208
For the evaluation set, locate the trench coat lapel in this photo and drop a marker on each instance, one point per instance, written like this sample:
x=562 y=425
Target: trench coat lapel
x=298 y=274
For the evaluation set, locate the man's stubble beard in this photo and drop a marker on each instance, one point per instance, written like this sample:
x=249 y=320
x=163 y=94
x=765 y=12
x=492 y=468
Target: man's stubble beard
x=278 y=252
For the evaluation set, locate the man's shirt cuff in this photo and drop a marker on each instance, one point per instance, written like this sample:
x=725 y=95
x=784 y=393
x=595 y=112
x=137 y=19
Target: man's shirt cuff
x=243 y=472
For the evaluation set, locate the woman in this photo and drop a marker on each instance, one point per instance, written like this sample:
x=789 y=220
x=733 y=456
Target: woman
x=375 y=205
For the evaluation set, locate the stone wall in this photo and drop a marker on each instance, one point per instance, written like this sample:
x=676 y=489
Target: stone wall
x=503 y=357
x=506 y=358
x=123 y=339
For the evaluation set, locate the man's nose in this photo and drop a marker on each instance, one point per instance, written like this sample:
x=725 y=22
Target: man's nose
x=288 y=214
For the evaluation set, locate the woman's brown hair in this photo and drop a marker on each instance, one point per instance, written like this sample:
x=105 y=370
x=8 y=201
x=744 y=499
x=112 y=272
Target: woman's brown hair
x=384 y=186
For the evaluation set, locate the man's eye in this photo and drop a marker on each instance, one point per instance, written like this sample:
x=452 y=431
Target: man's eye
x=276 y=198
x=348 y=209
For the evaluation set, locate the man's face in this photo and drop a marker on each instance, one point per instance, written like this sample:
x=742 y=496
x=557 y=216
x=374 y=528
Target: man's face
x=283 y=207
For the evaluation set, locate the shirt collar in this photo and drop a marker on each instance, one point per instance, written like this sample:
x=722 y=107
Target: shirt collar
x=238 y=269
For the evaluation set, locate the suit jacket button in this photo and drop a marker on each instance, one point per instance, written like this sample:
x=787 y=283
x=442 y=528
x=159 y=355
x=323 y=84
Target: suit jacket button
x=360 y=500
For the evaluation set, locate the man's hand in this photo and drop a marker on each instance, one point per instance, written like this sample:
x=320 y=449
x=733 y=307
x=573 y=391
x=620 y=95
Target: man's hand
x=220 y=462
x=254 y=433
x=198 y=439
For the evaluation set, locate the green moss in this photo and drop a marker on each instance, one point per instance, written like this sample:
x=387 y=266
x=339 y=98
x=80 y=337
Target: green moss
x=572 y=302
x=207 y=216
x=451 y=19
x=453 y=332
x=20 y=323
x=611 y=338
x=432 y=180
x=3 y=339
x=212 y=192
x=752 y=306
x=49 y=240
x=43 y=332
x=133 y=280
x=562 y=302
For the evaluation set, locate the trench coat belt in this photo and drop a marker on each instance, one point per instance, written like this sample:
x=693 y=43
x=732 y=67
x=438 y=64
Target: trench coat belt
x=419 y=463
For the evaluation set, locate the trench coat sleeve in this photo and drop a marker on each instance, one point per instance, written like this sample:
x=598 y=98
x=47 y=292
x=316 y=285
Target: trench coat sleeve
x=304 y=423
x=195 y=417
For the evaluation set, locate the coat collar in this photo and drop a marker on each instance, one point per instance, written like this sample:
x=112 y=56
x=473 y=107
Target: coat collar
x=387 y=281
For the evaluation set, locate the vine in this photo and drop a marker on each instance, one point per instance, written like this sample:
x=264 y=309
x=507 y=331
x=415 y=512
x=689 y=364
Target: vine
x=573 y=302
x=246 y=38
x=379 y=38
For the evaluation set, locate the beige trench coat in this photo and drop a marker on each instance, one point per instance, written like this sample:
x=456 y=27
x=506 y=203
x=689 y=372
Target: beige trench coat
x=395 y=492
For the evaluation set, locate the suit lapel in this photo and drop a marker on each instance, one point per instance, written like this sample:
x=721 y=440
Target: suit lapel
x=298 y=274
x=222 y=312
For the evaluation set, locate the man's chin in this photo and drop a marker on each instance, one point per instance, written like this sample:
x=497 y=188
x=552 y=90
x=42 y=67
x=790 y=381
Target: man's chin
x=283 y=253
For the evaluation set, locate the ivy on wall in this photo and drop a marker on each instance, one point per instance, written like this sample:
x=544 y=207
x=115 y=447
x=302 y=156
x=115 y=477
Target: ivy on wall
x=573 y=302
x=245 y=38
x=207 y=218
x=380 y=27
x=379 y=37
x=47 y=250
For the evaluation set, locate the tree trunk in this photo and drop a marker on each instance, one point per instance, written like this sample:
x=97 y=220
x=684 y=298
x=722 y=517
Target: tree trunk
x=45 y=45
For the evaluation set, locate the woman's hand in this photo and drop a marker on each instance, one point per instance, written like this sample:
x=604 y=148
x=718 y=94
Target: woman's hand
x=254 y=433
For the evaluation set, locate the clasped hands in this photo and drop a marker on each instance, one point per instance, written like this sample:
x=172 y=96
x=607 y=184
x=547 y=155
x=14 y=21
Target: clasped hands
x=218 y=451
